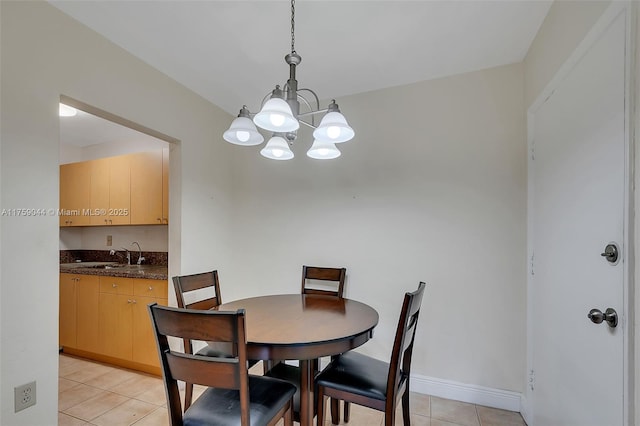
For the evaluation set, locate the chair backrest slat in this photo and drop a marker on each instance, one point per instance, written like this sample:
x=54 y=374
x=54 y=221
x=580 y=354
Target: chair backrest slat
x=203 y=305
x=337 y=275
x=192 y=324
x=213 y=372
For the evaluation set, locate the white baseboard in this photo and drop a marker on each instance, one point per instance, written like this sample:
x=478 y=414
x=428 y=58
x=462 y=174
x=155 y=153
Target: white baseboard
x=496 y=398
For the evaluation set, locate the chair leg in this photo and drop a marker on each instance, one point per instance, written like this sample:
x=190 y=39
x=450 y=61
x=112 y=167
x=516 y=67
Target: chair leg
x=288 y=415
x=347 y=406
x=335 y=411
x=321 y=404
x=405 y=407
x=188 y=395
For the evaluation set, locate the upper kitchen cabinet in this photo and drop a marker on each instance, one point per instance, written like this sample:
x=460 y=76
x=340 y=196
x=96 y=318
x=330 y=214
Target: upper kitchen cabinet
x=124 y=190
x=165 y=185
x=149 y=192
x=75 y=189
x=110 y=198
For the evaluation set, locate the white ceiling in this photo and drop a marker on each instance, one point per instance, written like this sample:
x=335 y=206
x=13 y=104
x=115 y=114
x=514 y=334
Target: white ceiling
x=231 y=52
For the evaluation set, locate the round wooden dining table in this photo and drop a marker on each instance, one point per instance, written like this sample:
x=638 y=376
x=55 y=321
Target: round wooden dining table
x=303 y=327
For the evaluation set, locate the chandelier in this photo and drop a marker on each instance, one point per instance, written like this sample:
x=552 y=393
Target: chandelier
x=280 y=115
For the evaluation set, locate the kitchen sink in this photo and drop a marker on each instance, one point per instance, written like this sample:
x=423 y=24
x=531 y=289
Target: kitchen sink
x=115 y=266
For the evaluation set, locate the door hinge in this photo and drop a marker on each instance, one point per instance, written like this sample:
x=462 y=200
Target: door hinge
x=532 y=379
x=533 y=153
x=531 y=268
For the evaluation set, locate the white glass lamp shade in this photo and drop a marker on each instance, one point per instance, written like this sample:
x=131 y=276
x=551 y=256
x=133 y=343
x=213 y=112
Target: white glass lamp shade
x=276 y=116
x=243 y=132
x=321 y=150
x=333 y=128
x=277 y=149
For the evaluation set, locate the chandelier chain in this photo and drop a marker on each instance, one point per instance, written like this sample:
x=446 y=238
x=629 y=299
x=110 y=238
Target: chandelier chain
x=293 y=26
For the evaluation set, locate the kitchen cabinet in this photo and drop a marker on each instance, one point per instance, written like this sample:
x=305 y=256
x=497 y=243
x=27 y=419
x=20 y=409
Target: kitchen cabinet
x=87 y=312
x=122 y=190
x=110 y=192
x=144 y=342
x=75 y=186
x=67 y=311
x=78 y=318
x=125 y=328
x=106 y=318
x=115 y=317
x=165 y=185
x=147 y=188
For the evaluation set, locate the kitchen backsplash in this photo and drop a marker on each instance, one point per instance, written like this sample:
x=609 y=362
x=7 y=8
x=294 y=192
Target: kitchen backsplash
x=150 y=257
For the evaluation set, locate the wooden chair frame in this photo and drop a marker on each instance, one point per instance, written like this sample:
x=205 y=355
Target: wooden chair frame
x=226 y=373
x=187 y=284
x=399 y=367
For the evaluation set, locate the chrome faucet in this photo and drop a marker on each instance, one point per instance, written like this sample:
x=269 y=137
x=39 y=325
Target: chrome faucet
x=128 y=255
x=140 y=258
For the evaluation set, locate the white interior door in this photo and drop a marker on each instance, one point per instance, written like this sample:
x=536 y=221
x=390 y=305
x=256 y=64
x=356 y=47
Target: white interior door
x=577 y=208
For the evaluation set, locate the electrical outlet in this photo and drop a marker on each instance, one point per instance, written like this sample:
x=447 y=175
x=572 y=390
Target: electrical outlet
x=25 y=396
x=109 y=240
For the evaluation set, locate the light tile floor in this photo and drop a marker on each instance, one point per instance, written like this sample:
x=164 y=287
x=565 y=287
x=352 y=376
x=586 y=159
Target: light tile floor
x=90 y=393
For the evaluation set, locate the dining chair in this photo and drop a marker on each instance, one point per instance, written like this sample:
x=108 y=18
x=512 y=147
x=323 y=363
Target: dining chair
x=362 y=380
x=335 y=276
x=334 y=287
x=232 y=396
x=200 y=291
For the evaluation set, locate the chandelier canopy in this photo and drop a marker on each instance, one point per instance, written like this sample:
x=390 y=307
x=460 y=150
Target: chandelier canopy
x=280 y=115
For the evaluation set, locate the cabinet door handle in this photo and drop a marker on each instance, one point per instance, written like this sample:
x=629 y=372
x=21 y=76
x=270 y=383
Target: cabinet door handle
x=150 y=288
x=114 y=285
x=134 y=301
x=128 y=300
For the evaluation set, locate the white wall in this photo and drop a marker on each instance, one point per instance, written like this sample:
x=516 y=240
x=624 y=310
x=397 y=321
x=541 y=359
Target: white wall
x=431 y=189
x=150 y=238
x=45 y=54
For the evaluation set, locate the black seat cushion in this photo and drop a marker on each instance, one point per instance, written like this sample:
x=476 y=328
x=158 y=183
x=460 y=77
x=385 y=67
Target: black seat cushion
x=358 y=374
x=222 y=406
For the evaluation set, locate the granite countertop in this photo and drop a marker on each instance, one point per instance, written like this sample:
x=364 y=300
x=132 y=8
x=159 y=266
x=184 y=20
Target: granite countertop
x=114 y=269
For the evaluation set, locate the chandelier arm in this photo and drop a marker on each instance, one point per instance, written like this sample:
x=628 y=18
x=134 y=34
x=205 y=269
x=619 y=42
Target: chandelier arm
x=307 y=124
x=314 y=95
x=320 y=111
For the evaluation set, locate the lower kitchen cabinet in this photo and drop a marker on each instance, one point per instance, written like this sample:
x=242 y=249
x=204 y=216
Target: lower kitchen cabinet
x=79 y=311
x=106 y=318
x=87 y=312
x=67 y=317
x=144 y=342
x=125 y=327
x=115 y=329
